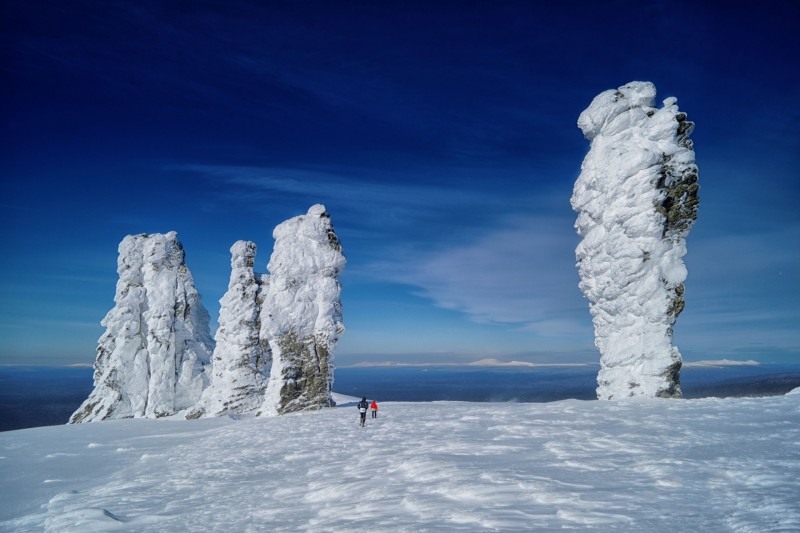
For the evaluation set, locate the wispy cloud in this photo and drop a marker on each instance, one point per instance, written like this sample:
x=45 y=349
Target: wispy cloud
x=745 y=278
x=741 y=293
x=505 y=256
x=500 y=257
x=741 y=290
x=509 y=259
x=521 y=274
x=370 y=194
x=379 y=213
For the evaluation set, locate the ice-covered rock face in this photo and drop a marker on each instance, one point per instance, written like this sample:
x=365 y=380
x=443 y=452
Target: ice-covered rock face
x=301 y=313
x=241 y=361
x=636 y=199
x=150 y=361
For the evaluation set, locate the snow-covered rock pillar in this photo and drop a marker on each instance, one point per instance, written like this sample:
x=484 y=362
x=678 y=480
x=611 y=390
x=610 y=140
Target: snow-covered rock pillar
x=150 y=361
x=301 y=315
x=241 y=361
x=636 y=199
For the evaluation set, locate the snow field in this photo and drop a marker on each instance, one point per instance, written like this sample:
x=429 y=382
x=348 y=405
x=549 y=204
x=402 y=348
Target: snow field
x=648 y=465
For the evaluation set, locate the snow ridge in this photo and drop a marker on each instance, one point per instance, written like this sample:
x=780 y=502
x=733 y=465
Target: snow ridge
x=636 y=199
x=241 y=361
x=150 y=361
x=301 y=315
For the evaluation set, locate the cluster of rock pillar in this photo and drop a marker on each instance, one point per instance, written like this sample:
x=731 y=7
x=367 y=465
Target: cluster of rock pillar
x=274 y=346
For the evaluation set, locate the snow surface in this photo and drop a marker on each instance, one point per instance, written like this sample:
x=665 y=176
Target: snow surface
x=646 y=465
x=636 y=199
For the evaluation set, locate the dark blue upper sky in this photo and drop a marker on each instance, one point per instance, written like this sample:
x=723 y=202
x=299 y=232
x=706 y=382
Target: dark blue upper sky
x=440 y=135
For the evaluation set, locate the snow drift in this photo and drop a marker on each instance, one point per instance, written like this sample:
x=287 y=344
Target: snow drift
x=694 y=465
x=636 y=199
x=150 y=360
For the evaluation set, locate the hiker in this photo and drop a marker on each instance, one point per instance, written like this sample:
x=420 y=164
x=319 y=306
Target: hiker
x=362 y=409
x=374 y=407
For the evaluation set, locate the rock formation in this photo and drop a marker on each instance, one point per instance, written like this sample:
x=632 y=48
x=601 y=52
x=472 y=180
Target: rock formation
x=301 y=314
x=241 y=361
x=150 y=361
x=275 y=343
x=636 y=199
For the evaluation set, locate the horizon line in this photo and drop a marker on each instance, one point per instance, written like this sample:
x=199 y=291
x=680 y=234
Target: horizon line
x=486 y=362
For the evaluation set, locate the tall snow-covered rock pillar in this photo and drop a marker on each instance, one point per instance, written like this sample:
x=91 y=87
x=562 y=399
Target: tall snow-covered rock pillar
x=150 y=361
x=301 y=315
x=636 y=199
x=241 y=362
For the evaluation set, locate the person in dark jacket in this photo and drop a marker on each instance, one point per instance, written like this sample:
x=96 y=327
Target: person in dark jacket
x=362 y=410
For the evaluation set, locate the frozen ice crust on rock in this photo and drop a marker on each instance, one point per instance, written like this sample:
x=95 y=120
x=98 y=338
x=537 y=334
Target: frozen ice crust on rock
x=301 y=315
x=275 y=343
x=636 y=199
x=241 y=361
x=278 y=332
x=151 y=358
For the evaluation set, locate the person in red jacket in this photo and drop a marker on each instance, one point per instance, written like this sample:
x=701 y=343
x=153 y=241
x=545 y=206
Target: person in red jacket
x=374 y=407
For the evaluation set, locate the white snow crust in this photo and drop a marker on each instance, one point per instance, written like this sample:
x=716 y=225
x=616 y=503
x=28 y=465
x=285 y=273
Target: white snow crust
x=301 y=314
x=636 y=201
x=150 y=360
x=240 y=364
x=648 y=465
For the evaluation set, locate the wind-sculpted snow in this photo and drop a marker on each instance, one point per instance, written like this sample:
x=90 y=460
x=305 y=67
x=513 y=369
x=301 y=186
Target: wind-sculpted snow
x=241 y=361
x=636 y=199
x=301 y=313
x=150 y=361
x=650 y=465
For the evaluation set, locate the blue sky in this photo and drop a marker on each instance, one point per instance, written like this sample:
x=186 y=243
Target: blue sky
x=441 y=137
